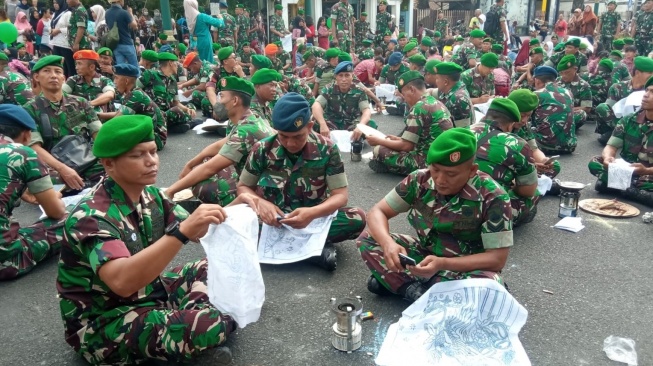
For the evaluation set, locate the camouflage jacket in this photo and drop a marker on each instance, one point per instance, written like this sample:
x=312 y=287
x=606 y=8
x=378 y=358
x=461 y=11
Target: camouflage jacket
x=383 y=22
x=291 y=181
x=72 y=116
x=581 y=61
x=366 y=54
x=14 y=88
x=505 y=157
x=277 y=64
x=552 y=121
x=342 y=12
x=226 y=33
x=476 y=84
x=506 y=64
x=634 y=136
x=644 y=21
x=261 y=109
x=459 y=105
x=600 y=84
x=361 y=28
x=425 y=121
x=77 y=85
x=609 y=22
x=249 y=130
x=78 y=18
x=181 y=75
x=389 y=76
x=441 y=26
x=243 y=26
x=479 y=217
x=299 y=86
x=205 y=72
x=324 y=74
x=245 y=58
x=276 y=23
x=161 y=89
x=105 y=225
x=465 y=52
x=137 y=102
x=343 y=109
x=580 y=90
x=619 y=91
x=620 y=71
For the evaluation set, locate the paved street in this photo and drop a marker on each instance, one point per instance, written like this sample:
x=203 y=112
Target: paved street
x=599 y=278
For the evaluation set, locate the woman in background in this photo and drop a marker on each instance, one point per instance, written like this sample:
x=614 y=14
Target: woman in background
x=199 y=26
x=589 y=22
x=59 y=36
x=322 y=33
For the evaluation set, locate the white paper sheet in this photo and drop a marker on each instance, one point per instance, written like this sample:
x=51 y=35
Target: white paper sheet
x=386 y=91
x=182 y=98
x=629 y=104
x=573 y=224
x=199 y=129
x=235 y=284
x=369 y=131
x=279 y=245
x=544 y=184
x=483 y=107
x=456 y=323
x=68 y=201
x=286 y=43
x=342 y=139
x=620 y=174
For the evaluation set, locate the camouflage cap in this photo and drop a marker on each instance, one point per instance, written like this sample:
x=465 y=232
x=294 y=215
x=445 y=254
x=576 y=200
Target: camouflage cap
x=507 y=107
x=431 y=65
x=607 y=63
x=525 y=100
x=567 y=62
x=453 y=147
x=120 y=134
x=643 y=63
x=291 y=113
x=407 y=77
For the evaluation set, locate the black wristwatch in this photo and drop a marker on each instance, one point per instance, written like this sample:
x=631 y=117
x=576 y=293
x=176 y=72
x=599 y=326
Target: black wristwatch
x=173 y=230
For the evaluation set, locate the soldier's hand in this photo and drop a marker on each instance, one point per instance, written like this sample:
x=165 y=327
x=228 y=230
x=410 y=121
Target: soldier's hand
x=187 y=93
x=299 y=218
x=640 y=169
x=427 y=268
x=30 y=198
x=373 y=140
x=356 y=135
x=543 y=167
x=268 y=212
x=391 y=256
x=71 y=178
x=191 y=112
x=197 y=224
x=324 y=130
x=484 y=98
x=607 y=161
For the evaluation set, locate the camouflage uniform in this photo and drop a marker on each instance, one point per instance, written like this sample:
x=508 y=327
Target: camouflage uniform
x=22 y=248
x=342 y=111
x=508 y=159
x=459 y=105
x=361 y=27
x=342 y=12
x=553 y=122
x=226 y=33
x=305 y=179
x=77 y=85
x=609 y=22
x=441 y=26
x=278 y=64
x=284 y=59
x=605 y=118
x=425 y=122
x=78 y=18
x=466 y=52
x=581 y=62
x=14 y=88
x=324 y=75
x=25 y=57
x=181 y=73
x=243 y=26
x=215 y=75
x=383 y=21
x=276 y=23
x=581 y=93
x=619 y=72
x=600 y=84
x=501 y=12
x=169 y=319
x=261 y=109
x=163 y=92
x=299 y=86
x=478 y=218
x=245 y=58
x=476 y=84
x=137 y=102
x=644 y=28
x=633 y=136
x=197 y=97
x=389 y=76
x=527 y=134
x=366 y=54
x=72 y=116
x=221 y=188
x=506 y=64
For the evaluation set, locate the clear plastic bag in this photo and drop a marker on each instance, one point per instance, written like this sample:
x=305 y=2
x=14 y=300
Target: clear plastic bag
x=620 y=350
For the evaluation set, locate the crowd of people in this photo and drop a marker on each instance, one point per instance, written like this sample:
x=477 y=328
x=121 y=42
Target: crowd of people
x=90 y=109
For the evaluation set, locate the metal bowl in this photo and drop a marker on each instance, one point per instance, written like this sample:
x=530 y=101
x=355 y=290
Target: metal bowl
x=571 y=186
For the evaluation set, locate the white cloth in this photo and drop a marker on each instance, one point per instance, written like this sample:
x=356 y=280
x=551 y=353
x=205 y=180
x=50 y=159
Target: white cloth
x=61 y=39
x=620 y=174
x=286 y=43
x=99 y=13
x=191 y=12
x=45 y=38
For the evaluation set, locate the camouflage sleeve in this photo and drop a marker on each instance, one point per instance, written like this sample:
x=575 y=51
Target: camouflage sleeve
x=97 y=239
x=402 y=197
x=82 y=17
x=613 y=95
x=32 y=170
x=524 y=165
x=171 y=210
x=619 y=132
x=466 y=79
x=496 y=229
x=238 y=143
x=254 y=166
x=321 y=99
x=585 y=96
x=68 y=86
x=384 y=73
x=94 y=123
x=413 y=129
x=107 y=85
x=335 y=169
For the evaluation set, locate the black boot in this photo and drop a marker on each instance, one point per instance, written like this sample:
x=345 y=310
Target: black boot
x=604 y=137
x=638 y=195
x=412 y=291
x=180 y=128
x=328 y=259
x=378 y=166
x=375 y=287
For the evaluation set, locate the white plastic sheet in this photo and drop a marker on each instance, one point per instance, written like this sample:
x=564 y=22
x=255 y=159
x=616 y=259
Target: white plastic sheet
x=235 y=283
x=386 y=91
x=342 y=139
x=286 y=43
x=182 y=98
x=628 y=105
x=620 y=174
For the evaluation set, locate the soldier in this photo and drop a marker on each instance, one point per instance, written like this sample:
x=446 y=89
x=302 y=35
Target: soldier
x=228 y=67
x=609 y=25
x=213 y=173
x=601 y=81
x=571 y=48
x=301 y=195
x=467 y=53
x=618 y=44
x=393 y=70
x=500 y=34
x=425 y=45
x=260 y=62
x=21 y=249
x=242 y=25
x=580 y=90
x=430 y=76
x=452 y=93
x=88 y=83
x=504 y=61
x=77 y=26
x=227 y=35
x=361 y=29
x=605 y=117
x=324 y=71
x=23 y=56
x=630 y=52
x=442 y=25
x=366 y=52
x=277 y=25
x=524 y=79
x=265 y=92
x=642 y=28
x=294 y=84
x=410 y=49
x=148 y=60
x=425 y=121
x=632 y=135
x=507 y=158
x=416 y=63
x=341 y=20
x=106 y=62
x=553 y=122
x=462 y=218
x=391 y=47
x=342 y=104
x=128 y=309
x=67 y=115
x=201 y=71
x=271 y=51
x=284 y=59
x=161 y=86
x=14 y=87
x=383 y=23
x=402 y=40
x=135 y=101
x=620 y=71
x=479 y=81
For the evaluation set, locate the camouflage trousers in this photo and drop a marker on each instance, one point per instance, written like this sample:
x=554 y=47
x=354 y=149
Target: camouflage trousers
x=344 y=43
x=201 y=102
x=226 y=42
x=89 y=176
x=642 y=182
x=606 y=41
x=177 y=330
x=348 y=224
x=399 y=162
x=220 y=189
x=175 y=116
x=373 y=256
x=644 y=45
x=605 y=119
x=23 y=248
x=580 y=117
x=521 y=207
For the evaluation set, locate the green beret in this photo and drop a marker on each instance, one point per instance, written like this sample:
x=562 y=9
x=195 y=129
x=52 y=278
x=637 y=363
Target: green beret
x=476 y=33
x=163 y=37
x=437 y=34
x=20 y=45
x=573 y=42
x=150 y=55
x=507 y=107
x=497 y=47
x=331 y=53
x=629 y=41
x=278 y=44
x=307 y=55
x=459 y=39
x=607 y=63
x=643 y=63
x=367 y=42
x=490 y=60
x=525 y=100
x=264 y=76
x=344 y=56
x=3 y=57
x=246 y=44
x=182 y=48
x=300 y=12
x=232 y=83
x=617 y=53
x=225 y=52
x=417 y=59
x=261 y=62
x=612 y=2
x=453 y=147
x=559 y=47
x=447 y=68
x=583 y=46
x=387 y=33
x=167 y=56
x=278 y=7
x=47 y=61
x=554 y=36
x=216 y=46
x=649 y=82
x=240 y=6
x=413 y=40
x=364 y=14
x=618 y=44
x=402 y=35
x=409 y=47
x=566 y=62
x=407 y=77
x=426 y=41
x=431 y=65
x=105 y=51
x=533 y=42
x=539 y=50
x=120 y=134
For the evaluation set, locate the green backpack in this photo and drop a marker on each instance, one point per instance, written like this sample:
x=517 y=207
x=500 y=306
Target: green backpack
x=112 y=38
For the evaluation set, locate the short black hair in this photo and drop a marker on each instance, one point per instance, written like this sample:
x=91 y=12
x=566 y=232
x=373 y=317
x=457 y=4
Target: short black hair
x=545 y=78
x=378 y=51
x=380 y=59
x=499 y=117
x=455 y=77
x=11 y=131
x=417 y=84
x=630 y=48
x=245 y=98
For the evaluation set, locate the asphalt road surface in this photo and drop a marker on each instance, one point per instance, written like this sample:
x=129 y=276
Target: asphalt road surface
x=599 y=279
